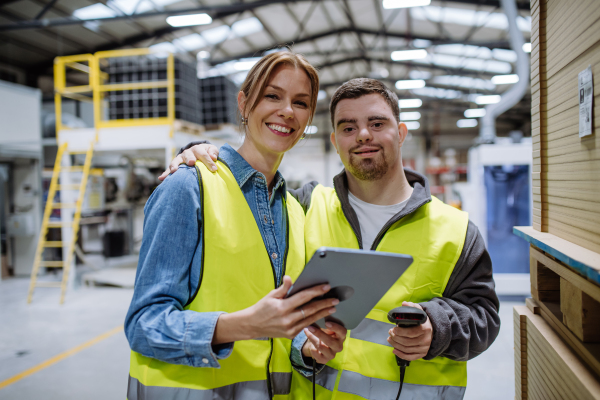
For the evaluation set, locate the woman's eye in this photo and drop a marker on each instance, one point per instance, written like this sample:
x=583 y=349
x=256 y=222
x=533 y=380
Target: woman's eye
x=271 y=96
x=303 y=104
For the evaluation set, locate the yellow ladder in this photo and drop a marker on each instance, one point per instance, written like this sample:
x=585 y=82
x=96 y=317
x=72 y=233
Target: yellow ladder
x=47 y=224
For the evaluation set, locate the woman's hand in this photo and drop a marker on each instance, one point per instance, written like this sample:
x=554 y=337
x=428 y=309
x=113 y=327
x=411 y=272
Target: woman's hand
x=324 y=344
x=207 y=153
x=275 y=316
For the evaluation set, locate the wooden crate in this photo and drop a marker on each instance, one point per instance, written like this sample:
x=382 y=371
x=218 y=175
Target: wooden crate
x=546 y=368
x=566 y=179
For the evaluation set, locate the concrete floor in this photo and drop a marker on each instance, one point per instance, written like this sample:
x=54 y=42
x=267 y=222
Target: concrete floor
x=32 y=334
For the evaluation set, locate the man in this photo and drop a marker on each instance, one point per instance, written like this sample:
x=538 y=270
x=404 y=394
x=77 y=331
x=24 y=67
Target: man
x=377 y=204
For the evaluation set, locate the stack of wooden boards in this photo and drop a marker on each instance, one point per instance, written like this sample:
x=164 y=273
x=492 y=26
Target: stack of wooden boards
x=557 y=336
x=565 y=40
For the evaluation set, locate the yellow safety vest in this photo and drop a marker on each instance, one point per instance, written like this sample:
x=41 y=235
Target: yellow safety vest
x=366 y=369
x=236 y=273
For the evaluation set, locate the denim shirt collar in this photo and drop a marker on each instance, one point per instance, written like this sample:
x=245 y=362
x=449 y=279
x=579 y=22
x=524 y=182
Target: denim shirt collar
x=242 y=171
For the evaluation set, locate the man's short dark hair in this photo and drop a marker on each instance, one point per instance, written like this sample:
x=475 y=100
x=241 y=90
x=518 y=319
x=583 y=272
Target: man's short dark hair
x=359 y=87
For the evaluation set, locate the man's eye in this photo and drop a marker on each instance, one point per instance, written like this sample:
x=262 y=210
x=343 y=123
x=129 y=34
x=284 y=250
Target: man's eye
x=378 y=125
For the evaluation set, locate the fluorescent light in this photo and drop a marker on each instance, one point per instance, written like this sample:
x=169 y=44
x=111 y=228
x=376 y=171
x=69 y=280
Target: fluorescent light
x=505 y=79
x=462 y=16
x=527 y=47
x=412 y=125
x=480 y=63
x=504 y=55
x=189 y=20
x=464 y=82
x=493 y=99
x=246 y=27
x=389 y=4
x=410 y=116
x=410 y=103
x=311 y=130
x=203 y=55
x=190 y=42
x=475 y=113
x=466 y=123
x=94 y=11
x=409 y=55
x=322 y=95
x=410 y=84
x=246 y=64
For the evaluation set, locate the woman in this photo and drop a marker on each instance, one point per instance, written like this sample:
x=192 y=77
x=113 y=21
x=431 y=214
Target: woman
x=219 y=253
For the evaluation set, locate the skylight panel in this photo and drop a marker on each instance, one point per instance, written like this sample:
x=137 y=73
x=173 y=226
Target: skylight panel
x=217 y=35
x=412 y=125
x=410 y=84
x=190 y=42
x=466 y=17
x=162 y=50
x=246 y=27
x=464 y=82
x=504 y=55
x=419 y=74
x=389 y=4
x=189 y=20
x=474 y=64
x=94 y=11
x=410 y=116
x=464 y=50
x=410 y=103
x=402 y=55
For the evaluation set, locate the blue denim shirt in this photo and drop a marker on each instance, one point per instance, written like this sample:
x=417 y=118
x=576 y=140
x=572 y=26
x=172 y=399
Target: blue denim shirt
x=169 y=266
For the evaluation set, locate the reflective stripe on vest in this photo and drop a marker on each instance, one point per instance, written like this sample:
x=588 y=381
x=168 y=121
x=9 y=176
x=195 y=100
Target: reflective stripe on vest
x=380 y=389
x=243 y=390
x=234 y=255
x=433 y=235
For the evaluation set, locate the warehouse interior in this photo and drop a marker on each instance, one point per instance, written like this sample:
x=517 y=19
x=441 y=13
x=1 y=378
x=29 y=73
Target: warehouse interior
x=98 y=96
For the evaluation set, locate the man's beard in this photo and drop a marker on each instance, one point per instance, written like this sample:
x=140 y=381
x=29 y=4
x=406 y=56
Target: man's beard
x=369 y=169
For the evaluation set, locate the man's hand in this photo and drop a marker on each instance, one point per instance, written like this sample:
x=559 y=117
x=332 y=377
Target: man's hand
x=411 y=343
x=207 y=153
x=324 y=344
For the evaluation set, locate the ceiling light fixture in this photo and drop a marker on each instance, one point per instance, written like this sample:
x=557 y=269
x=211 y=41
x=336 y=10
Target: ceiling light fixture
x=492 y=99
x=410 y=84
x=410 y=103
x=466 y=123
x=389 y=4
x=404 y=55
x=410 y=116
x=475 y=113
x=412 y=125
x=505 y=79
x=189 y=20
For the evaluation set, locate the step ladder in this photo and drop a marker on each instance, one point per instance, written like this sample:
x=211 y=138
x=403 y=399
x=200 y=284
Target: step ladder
x=51 y=205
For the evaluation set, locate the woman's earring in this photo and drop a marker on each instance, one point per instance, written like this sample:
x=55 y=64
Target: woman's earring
x=244 y=121
x=303 y=136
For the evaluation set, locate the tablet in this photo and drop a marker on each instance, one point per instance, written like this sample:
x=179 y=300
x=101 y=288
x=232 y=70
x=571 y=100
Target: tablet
x=358 y=278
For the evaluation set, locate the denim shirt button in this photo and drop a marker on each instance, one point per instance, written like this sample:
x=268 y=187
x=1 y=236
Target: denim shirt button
x=274 y=256
x=205 y=360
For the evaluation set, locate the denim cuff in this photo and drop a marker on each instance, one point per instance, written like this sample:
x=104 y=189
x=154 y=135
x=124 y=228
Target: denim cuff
x=198 y=341
x=299 y=361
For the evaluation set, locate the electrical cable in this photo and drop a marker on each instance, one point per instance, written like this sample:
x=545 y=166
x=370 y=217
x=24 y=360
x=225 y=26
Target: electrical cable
x=402 y=370
x=314 y=367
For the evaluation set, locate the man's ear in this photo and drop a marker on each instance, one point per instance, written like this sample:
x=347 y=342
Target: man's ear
x=332 y=138
x=402 y=132
x=242 y=103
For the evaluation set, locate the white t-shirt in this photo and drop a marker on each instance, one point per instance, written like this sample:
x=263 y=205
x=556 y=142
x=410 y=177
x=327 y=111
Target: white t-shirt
x=373 y=217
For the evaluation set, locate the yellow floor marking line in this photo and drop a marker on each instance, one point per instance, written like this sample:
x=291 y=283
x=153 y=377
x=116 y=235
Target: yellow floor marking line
x=59 y=357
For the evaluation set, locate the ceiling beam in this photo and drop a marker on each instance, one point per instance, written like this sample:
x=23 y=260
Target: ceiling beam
x=214 y=11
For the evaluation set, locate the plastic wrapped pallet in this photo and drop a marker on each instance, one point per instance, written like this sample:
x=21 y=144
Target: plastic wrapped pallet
x=219 y=101
x=152 y=103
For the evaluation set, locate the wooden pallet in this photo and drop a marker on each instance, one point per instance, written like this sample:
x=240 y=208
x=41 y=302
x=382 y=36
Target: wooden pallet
x=545 y=367
x=188 y=127
x=569 y=303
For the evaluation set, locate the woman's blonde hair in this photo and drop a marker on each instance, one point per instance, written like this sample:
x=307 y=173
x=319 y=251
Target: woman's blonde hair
x=256 y=82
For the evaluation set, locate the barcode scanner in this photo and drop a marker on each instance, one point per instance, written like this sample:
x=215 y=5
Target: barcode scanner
x=405 y=317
